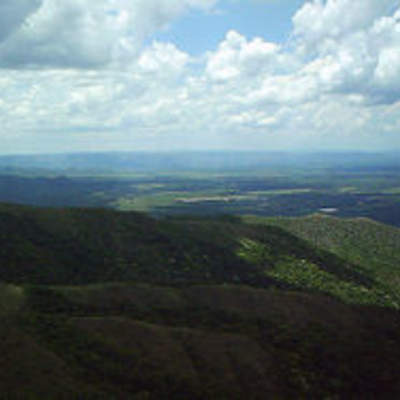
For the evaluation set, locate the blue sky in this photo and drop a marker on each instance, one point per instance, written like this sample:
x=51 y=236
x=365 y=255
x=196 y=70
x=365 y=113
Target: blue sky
x=200 y=32
x=84 y=75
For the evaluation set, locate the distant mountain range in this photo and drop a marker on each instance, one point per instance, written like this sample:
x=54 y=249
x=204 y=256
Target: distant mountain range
x=191 y=160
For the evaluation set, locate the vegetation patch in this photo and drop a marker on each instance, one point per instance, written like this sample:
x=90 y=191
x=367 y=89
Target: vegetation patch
x=105 y=304
x=11 y=299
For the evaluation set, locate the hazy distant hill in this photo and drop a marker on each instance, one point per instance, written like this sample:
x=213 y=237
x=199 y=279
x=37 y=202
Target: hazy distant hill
x=192 y=160
x=101 y=304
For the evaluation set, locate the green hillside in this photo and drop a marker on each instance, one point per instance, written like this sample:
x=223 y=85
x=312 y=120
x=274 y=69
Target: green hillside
x=103 y=304
x=371 y=245
x=220 y=342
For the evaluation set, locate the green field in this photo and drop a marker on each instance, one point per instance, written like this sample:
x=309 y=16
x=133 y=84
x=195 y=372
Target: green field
x=264 y=184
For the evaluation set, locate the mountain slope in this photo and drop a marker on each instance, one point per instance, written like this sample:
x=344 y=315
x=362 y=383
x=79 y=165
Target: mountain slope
x=81 y=246
x=361 y=241
x=103 y=304
x=201 y=342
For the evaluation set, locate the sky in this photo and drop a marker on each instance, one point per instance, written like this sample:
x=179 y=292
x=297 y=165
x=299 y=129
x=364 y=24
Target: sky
x=166 y=75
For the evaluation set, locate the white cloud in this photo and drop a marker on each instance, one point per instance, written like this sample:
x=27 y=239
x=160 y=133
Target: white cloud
x=13 y=13
x=83 y=33
x=91 y=78
x=163 y=58
x=62 y=34
x=385 y=34
x=237 y=56
x=319 y=21
x=354 y=46
x=360 y=57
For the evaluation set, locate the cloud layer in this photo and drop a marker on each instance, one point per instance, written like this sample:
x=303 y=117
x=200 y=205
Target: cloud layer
x=84 y=74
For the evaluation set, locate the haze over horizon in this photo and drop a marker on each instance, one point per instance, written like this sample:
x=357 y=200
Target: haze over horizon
x=176 y=75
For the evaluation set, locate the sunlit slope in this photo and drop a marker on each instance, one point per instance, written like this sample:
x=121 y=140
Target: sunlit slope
x=364 y=242
x=82 y=246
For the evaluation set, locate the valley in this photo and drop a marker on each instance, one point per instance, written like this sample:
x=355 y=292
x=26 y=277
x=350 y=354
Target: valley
x=264 y=184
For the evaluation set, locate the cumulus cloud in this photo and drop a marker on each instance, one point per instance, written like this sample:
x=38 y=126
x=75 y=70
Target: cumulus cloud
x=347 y=47
x=82 y=71
x=236 y=56
x=82 y=33
x=59 y=33
x=13 y=13
x=318 y=21
x=355 y=46
x=164 y=59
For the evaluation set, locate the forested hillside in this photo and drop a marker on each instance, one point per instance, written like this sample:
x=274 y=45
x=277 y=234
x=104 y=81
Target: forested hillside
x=104 y=304
x=364 y=242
